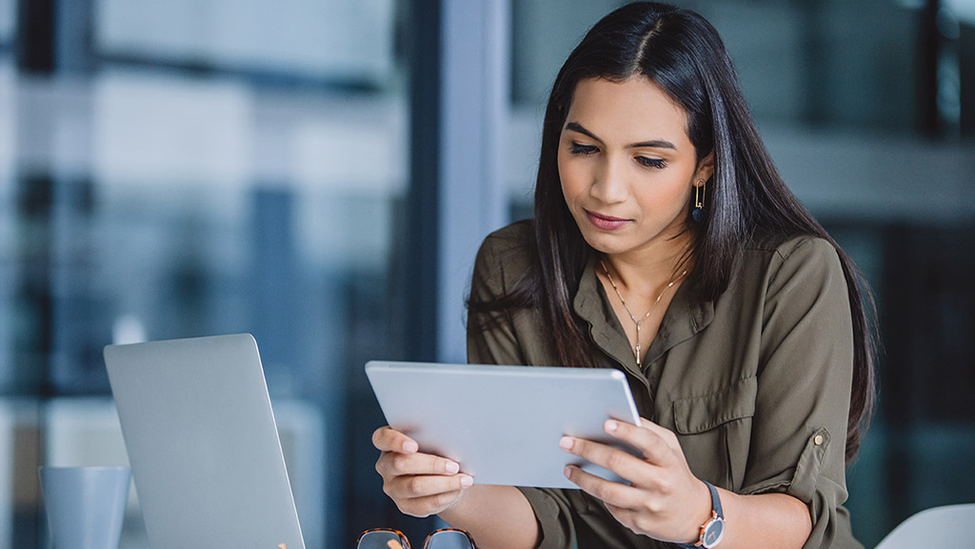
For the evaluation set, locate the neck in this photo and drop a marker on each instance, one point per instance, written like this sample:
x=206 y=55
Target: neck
x=645 y=271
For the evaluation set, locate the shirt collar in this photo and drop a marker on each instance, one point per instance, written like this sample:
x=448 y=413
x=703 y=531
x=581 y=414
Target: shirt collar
x=688 y=314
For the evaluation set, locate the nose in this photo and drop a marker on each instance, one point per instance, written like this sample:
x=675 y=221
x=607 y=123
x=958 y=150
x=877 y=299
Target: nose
x=609 y=184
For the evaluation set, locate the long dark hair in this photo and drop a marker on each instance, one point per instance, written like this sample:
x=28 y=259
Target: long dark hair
x=681 y=52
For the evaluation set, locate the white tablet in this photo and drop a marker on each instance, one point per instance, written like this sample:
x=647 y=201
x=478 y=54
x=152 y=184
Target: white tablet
x=503 y=424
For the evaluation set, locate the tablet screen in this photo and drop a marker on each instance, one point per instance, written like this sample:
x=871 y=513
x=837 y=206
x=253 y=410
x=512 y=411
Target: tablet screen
x=503 y=424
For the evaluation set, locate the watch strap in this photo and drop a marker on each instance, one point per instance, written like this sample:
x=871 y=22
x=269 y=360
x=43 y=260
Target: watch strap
x=715 y=500
x=716 y=514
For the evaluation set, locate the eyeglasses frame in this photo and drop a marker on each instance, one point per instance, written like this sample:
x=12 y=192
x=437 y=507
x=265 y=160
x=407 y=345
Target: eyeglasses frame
x=426 y=542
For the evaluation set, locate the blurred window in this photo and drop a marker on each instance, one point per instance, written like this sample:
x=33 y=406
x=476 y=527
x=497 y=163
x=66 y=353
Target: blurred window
x=8 y=23
x=193 y=168
x=339 y=40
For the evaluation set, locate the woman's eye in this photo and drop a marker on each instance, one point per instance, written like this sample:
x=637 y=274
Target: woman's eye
x=652 y=162
x=578 y=148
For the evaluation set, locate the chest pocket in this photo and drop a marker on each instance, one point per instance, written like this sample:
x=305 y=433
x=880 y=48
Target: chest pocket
x=715 y=430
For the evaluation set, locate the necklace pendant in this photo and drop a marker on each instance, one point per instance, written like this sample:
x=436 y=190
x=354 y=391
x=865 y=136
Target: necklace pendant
x=638 y=323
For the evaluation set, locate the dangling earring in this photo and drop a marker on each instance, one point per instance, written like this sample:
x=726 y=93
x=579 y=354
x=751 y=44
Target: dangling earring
x=698 y=214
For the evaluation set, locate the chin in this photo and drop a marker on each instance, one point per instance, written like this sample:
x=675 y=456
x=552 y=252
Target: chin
x=604 y=243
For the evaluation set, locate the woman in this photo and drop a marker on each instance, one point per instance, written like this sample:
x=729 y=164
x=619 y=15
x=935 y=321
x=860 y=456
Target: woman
x=665 y=244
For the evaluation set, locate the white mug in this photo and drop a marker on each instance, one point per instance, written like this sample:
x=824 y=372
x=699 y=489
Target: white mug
x=85 y=505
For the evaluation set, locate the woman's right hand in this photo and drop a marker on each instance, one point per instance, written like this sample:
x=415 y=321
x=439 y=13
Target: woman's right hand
x=420 y=484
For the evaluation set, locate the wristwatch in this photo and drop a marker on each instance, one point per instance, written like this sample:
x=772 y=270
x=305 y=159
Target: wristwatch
x=713 y=529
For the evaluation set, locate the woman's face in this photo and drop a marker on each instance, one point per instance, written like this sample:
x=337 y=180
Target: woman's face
x=627 y=166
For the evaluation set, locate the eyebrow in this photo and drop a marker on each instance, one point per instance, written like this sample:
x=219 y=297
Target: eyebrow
x=656 y=143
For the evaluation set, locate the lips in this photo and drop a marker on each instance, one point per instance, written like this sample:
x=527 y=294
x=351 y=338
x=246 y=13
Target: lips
x=606 y=222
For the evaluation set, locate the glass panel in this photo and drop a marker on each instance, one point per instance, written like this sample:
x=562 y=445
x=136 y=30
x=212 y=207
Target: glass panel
x=335 y=39
x=8 y=21
x=813 y=62
x=142 y=199
x=8 y=226
x=824 y=63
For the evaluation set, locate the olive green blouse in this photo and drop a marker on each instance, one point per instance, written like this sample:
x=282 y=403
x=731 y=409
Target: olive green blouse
x=755 y=384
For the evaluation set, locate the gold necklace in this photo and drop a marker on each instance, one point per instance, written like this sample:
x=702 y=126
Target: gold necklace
x=638 y=349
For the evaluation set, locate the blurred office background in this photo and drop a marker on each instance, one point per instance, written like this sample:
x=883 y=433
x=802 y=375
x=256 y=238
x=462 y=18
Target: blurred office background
x=318 y=173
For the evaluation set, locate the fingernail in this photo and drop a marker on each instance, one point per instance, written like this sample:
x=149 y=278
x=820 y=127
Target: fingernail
x=410 y=446
x=466 y=480
x=566 y=443
x=452 y=467
x=567 y=471
x=610 y=426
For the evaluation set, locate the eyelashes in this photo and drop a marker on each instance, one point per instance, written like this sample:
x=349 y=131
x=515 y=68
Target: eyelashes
x=585 y=150
x=582 y=150
x=658 y=163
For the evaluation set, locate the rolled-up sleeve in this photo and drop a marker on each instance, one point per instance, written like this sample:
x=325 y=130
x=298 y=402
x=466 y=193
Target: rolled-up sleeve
x=804 y=380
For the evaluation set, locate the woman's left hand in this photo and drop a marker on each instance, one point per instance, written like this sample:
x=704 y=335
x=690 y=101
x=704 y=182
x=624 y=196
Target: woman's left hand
x=664 y=499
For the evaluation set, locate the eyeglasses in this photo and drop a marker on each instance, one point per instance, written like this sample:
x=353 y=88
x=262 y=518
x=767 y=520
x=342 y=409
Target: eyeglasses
x=388 y=538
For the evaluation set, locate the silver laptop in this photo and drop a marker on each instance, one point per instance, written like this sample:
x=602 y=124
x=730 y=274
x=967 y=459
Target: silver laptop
x=202 y=444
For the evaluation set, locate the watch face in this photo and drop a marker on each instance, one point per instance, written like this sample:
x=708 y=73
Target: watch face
x=713 y=533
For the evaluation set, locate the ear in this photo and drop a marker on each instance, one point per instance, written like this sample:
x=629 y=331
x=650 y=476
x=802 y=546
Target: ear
x=705 y=169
